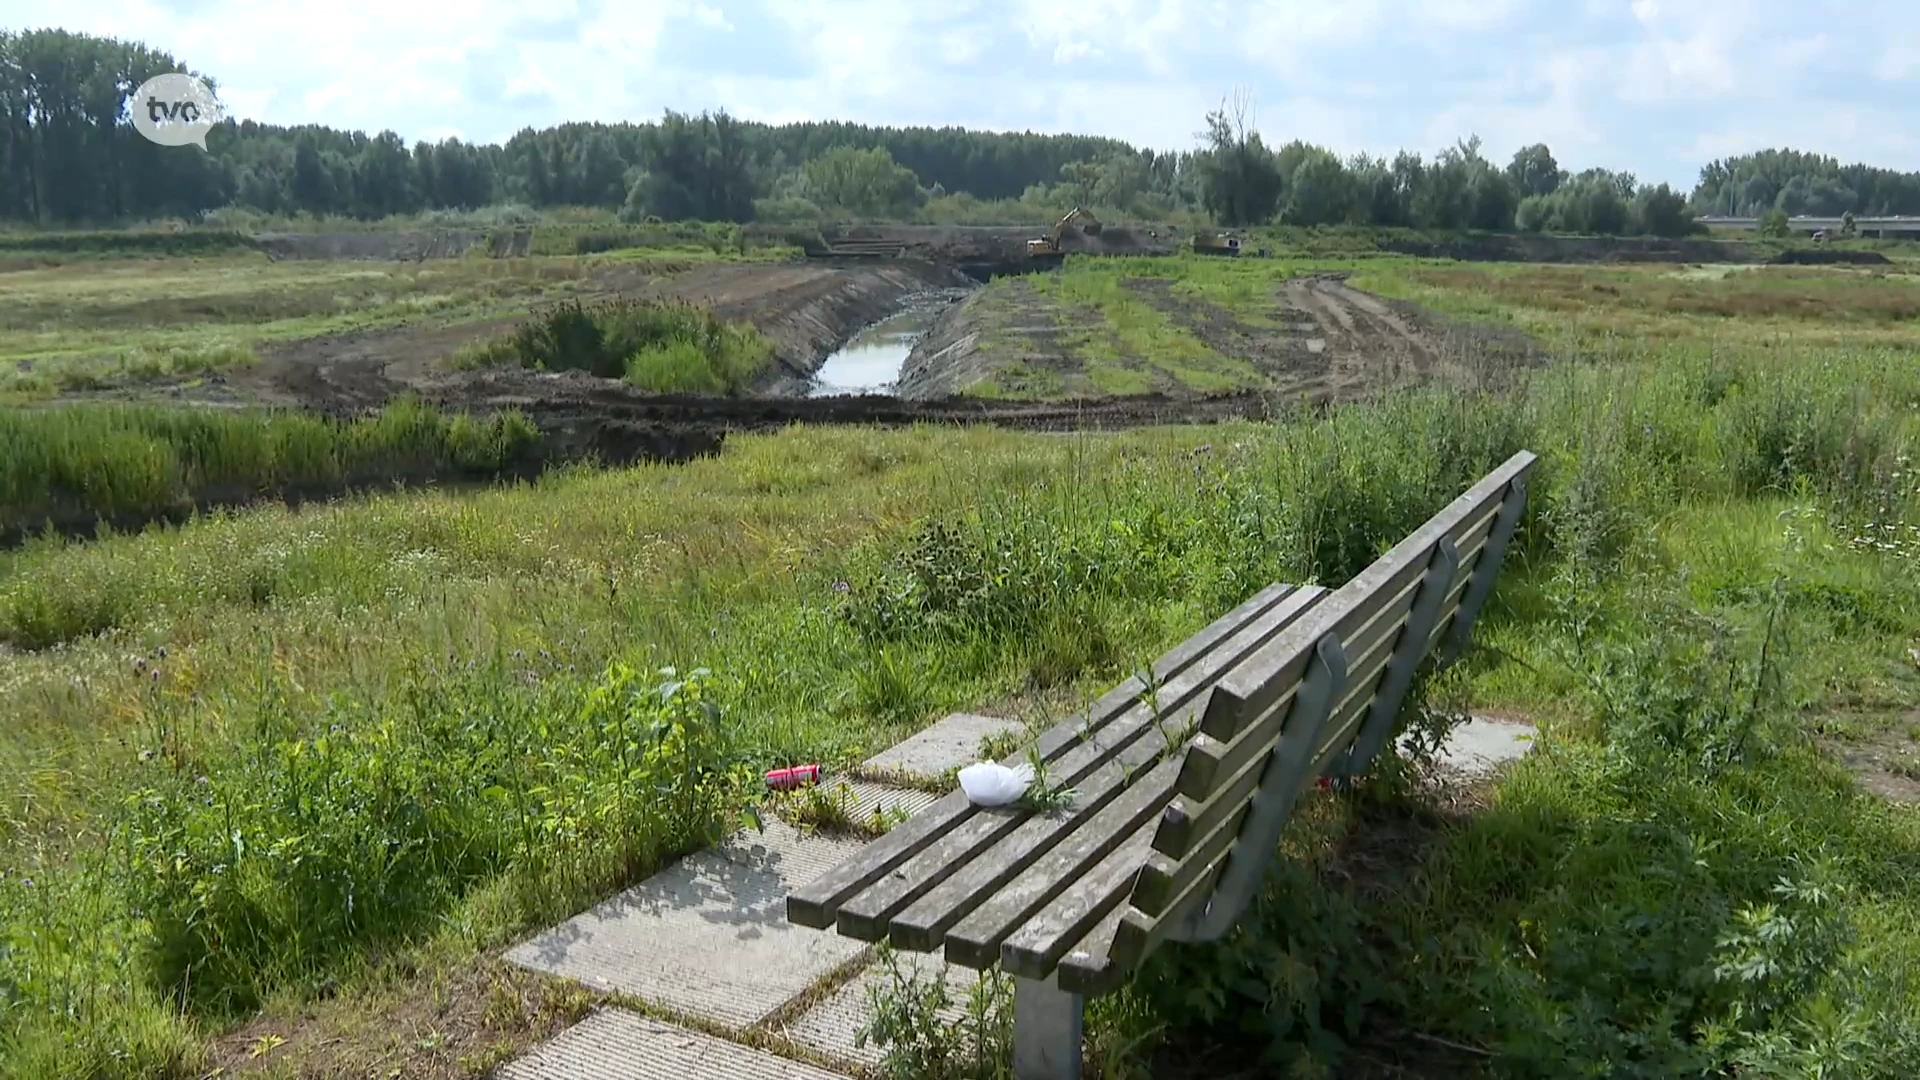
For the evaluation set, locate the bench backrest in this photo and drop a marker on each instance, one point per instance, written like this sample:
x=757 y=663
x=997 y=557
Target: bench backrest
x=1320 y=699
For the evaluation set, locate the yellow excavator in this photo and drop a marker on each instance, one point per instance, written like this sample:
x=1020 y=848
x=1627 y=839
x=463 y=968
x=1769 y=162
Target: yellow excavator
x=1210 y=243
x=1048 y=246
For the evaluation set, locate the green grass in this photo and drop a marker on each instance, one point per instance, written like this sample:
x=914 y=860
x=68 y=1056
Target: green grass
x=83 y=462
x=435 y=702
x=76 y=326
x=1137 y=331
x=1590 y=308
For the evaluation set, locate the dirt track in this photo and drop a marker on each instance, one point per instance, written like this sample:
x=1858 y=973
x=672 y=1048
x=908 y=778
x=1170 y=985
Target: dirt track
x=1320 y=340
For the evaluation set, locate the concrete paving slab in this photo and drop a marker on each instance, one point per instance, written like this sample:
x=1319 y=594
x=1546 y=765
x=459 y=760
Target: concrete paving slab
x=707 y=936
x=1478 y=745
x=870 y=797
x=833 y=1025
x=950 y=744
x=865 y=798
x=614 y=1044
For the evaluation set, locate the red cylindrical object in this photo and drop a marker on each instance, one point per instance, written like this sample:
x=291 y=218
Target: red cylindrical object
x=797 y=776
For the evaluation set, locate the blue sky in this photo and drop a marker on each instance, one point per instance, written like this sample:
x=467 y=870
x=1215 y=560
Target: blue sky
x=1655 y=86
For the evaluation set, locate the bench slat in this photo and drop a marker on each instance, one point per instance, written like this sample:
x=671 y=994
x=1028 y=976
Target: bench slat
x=1165 y=882
x=1032 y=951
x=1250 y=741
x=866 y=914
x=1352 y=708
x=1007 y=887
x=817 y=903
x=1392 y=577
x=1137 y=934
x=1188 y=818
x=1088 y=967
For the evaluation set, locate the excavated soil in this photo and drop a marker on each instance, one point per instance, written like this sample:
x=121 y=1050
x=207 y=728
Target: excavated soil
x=806 y=309
x=1320 y=340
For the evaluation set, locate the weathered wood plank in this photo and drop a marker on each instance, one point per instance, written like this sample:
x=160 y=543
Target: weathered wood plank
x=1134 y=936
x=1210 y=763
x=980 y=905
x=1088 y=967
x=1165 y=881
x=1511 y=512
x=1345 y=721
x=1272 y=802
x=1247 y=726
x=1033 y=949
x=865 y=913
x=817 y=903
x=1189 y=817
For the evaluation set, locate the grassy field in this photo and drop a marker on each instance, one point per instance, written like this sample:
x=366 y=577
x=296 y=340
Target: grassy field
x=1581 y=307
x=80 y=321
x=437 y=705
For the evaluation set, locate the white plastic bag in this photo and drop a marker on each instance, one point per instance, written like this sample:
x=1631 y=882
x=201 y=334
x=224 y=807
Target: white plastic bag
x=989 y=783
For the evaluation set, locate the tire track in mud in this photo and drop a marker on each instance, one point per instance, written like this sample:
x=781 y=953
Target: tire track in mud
x=1327 y=341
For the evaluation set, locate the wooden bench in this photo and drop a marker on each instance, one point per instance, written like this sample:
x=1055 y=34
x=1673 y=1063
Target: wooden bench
x=1183 y=787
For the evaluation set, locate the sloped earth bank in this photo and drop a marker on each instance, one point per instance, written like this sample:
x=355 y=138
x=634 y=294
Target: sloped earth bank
x=1320 y=340
x=806 y=309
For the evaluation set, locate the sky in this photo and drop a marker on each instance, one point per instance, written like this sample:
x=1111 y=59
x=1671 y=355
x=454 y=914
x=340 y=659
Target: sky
x=1656 y=87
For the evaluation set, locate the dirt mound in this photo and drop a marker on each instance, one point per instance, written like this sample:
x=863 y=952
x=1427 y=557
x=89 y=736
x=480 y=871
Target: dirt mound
x=1829 y=257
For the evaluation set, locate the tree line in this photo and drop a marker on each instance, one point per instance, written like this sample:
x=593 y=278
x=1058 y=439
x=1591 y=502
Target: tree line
x=69 y=154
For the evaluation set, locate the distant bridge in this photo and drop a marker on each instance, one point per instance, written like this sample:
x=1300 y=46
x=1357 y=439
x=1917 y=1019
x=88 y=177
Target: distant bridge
x=1897 y=227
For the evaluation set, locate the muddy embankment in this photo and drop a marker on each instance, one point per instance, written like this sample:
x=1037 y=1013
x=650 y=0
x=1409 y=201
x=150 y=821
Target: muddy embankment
x=809 y=320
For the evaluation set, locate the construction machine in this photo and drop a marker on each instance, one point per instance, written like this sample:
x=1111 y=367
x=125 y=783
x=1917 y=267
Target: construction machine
x=1208 y=243
x=1048 y=246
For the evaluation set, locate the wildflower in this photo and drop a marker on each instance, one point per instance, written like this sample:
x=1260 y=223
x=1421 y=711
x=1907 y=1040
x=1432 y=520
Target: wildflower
x=146 y=755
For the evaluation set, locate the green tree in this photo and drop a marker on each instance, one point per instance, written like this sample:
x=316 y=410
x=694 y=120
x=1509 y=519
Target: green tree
x=1240 y=177
x=1319 y=191
x=1774 y=224
x=863 y=183
x=1663 y=211
x=384 y=178
x=1533 y=171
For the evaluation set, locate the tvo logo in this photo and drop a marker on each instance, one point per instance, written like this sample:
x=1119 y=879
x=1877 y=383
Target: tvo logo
x=175 y=109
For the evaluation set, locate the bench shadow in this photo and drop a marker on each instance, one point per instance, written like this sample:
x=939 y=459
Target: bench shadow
x=741 y=884
x=1379 y=851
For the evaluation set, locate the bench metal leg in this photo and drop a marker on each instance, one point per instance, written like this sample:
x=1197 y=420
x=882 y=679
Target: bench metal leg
x=1046 y=1030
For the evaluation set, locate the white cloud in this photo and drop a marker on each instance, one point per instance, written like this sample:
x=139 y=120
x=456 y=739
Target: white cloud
x=1654 y=86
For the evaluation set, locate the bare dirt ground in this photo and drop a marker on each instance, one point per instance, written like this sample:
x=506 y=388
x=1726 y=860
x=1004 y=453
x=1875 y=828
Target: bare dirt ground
x=1886 y=762
x=1320 y=340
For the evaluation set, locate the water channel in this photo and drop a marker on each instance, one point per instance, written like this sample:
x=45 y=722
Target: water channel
x=870 y=362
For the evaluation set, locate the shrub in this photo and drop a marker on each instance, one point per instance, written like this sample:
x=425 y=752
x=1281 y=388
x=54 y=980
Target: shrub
x=364 y=824
x=657 y=346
